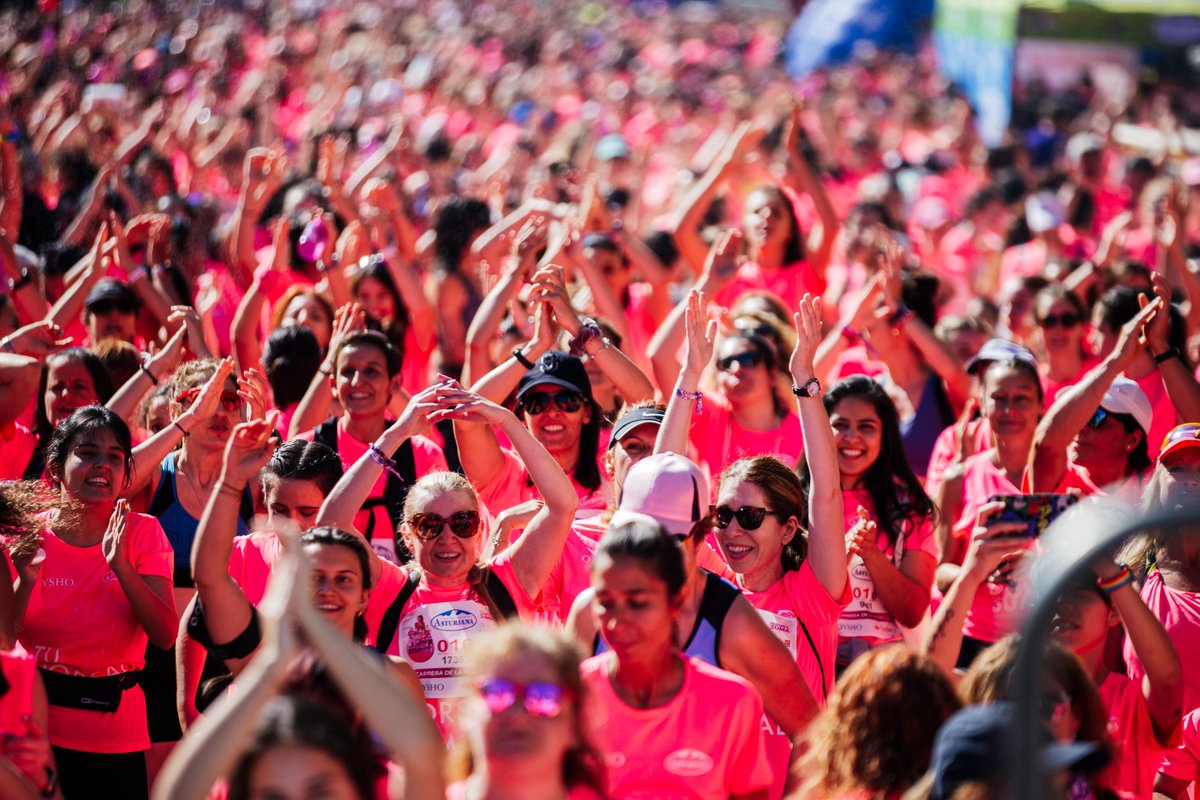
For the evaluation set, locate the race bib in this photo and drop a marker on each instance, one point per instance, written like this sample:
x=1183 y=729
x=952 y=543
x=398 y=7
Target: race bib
x=783 y=625
x=435 y=639
x=865 y=617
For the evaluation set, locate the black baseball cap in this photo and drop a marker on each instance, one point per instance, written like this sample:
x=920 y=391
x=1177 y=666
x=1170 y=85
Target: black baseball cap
x=559 y=369
x=112 y=290
x=635 y=419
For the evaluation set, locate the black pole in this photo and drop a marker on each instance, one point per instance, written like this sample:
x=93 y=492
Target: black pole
x=1070 y=545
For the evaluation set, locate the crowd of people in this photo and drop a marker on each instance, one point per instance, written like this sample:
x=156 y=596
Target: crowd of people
x=436 y=399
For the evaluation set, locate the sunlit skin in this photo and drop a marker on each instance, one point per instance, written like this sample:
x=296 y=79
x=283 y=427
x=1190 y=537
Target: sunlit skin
x=767 y=221
x=375 y=299
x=112 y=324
x=337 y=582
x=558 y=431
x=633 y=447
x=1010 y=402
x=94 y=470
x=306 y=310
x=742 y=384
x=293 y=772
x=362 y=383
x=636 y=615
x=753 y=555
x=447 y=559
x=296 y=500
x=214 y=433
x=858 y=435
x=69 y=387
x=1100 y=448
x=514 y=745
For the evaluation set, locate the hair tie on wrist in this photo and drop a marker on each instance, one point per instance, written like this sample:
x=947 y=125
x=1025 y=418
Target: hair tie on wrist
x=520 y=356
x=142 y=366
x=182 y=430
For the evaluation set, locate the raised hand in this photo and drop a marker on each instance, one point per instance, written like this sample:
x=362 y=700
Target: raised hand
x=701 y=333
x=549 y=289
x=210 y=394
x=346 y=320
x=262 y=175
x=37 y=339
x=254 y=390
x=461 y=405
x=1132 y=337
x=414 y=420
x=722 y=262
x=862 y=539
x=867 y=310
x=249 y=448
x=114 y=544
x=995 y=546
x=1157 y=332
x=808 y=338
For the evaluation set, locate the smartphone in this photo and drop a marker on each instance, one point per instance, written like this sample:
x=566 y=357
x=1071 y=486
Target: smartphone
x=1037 y=511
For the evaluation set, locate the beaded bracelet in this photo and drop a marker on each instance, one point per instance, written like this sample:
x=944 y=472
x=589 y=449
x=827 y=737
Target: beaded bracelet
x=1121 y=579
x=697 y=396
x=382 y=460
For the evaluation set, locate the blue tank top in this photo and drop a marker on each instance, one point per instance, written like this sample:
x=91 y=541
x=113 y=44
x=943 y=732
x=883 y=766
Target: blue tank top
x=920 y=432
x=179 y=525
x=704 y=642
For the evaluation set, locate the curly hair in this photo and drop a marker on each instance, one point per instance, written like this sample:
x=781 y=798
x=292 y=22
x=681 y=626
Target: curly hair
x=890 y=689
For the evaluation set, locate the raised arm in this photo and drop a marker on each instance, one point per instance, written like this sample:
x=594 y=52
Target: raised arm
x=18 y=384
x=700 y=338
x=1076 y=404
x=486 y=322
x=149 y=455
x=247 y=347
x=700 y=196
x=1162 y=686
x=149 y=595
x=630 y=382
x=801 y=178
x=156 y=369
x=826 y=524
x=539 y=549
x=1177 y=376
x=227 y=612
x=851 y=329
x=347 y=497
x=313 y=408
x=66 y=309
x=990 y=546
x=719 y=268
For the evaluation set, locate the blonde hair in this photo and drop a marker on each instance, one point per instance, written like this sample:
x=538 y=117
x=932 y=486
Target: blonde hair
x=581 y=765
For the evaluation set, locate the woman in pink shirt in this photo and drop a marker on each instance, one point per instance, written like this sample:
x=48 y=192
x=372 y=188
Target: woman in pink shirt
x=782 y=258
x=1012 y=403
x=746 y=416
x=668 y=727
x=526 y=734
x=1060 y=318
x=886 y=516
x=88 y=606
x=452 y=594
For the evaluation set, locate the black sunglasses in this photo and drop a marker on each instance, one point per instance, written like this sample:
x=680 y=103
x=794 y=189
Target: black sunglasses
x=103 y=307
x=463 y=524
x=1060 y=321
x=745 y=360
x=566 y=401
x=750 y=518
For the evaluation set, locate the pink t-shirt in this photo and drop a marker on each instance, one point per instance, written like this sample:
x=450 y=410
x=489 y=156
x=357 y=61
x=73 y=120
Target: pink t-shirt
x=373 y=520
x=1184 y=761
x=572 y=573
x=719 y=440
x=1137 y=752
x=996 y=608
x=705 y=743
x=1165 y=415
x=789 y=283
x=866 y=617
x=17 y=444
x=79 y=622
x=16 y=706
x=946 y=448
x=512 y=486
x=458 y=791
x=436 y=628
x=1051 y=388
x=251 y=561
x=418 y=356
x=1179 y=612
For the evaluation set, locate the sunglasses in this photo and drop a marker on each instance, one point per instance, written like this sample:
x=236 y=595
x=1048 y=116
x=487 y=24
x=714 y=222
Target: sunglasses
x=463 y=524
x=1098 y=418
x=744 y=360
x=750 y=518
x=104 y=307
x=543 y=700
x=229 y=400
x=1060 y=321
x=567 y=402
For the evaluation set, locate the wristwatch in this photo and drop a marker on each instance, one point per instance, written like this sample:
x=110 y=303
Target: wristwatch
x=811 y=388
